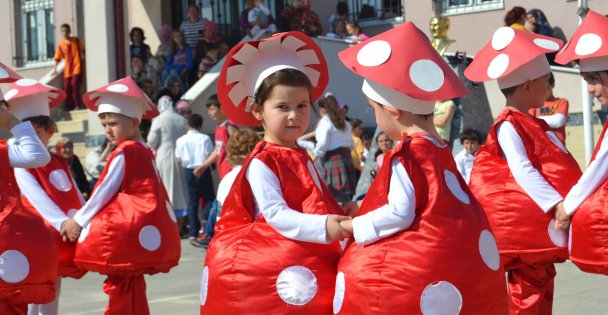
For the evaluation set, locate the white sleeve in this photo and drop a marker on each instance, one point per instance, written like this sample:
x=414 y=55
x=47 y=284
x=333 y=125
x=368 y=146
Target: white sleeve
x=251 y=16
x=28 y=151
x=526 y=176
x=593 y=177
x=321 y=135
x=349 y=143
x=393 y=217
x=459 y=159
x=154 y=135
x=555 y=120
x=41 y=201
x=269 y=199
x=264 y=9
x=209 y=147
x=106 y=190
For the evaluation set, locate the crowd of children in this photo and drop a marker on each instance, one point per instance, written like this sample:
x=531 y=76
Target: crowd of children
x=435 y=234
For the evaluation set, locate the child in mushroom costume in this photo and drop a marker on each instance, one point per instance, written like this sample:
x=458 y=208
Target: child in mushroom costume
x=275 y=250
x=129 y=223
x=422 y=244
x=586 y=201
x=523 y=171
x=28 y=253
x=48 y=191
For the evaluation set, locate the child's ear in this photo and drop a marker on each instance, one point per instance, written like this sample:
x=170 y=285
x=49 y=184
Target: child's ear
x=256 y=110
x=393 y=111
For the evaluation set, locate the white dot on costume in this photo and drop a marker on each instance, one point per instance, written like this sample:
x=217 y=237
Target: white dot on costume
x=119 y=88
x=313 y=173
x=26 y=82
x=558 y=237
x=553 y=137
x=170 y=210
x=14 y=266
x=441 y=298
x=71 y=213
x=60 y=180
x=427 y=75
x=588 y=44
x=546 y=44
x=502 y=38
x=570 y=239
x=296 y=285
x=374 y=53
x=498 y=66
x=149 y=238
x=84 y=233
x=204 y=285
x=339 y=292
x=10 y=94
x=454 y=185
x=489 y=250
x=3 y=74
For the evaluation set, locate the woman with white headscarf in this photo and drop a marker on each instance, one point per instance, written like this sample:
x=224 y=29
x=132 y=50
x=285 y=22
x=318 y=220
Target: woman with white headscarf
x=164 y=132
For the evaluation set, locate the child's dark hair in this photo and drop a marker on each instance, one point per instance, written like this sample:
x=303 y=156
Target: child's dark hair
x=41 y=122
x=342 y=8
x=551 y=79
x=471 y=135
x=66 y=25
x=213 y=101
x=330 y=104
x=355 y=25
x=137 y=29
x=240 y=144
x=514 y=15
x=195 y=121
x=356 y=123
x=287 y=77
x=509 y=91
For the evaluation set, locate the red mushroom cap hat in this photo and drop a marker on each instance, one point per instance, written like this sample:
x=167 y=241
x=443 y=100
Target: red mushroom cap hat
x=512 y=57
x=121 y=97
x=589 y=44
x=401 y=69
x=7 y=75
x=248 y=64
x=30 y=98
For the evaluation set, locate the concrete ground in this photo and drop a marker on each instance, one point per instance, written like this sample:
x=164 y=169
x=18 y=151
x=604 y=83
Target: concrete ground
x=176 y=293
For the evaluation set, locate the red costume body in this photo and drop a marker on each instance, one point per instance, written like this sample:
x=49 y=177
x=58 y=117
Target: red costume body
x=589 y=229
x=52 y=178
x=527 y=240
x=247 y=255
x=25 y=242
x=134 y=233
x=221 y=139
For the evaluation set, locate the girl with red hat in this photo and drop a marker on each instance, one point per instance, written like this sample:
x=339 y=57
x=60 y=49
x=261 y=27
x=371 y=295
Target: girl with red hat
x=586 y=201
x=28 y=253
x=422 y=243
x=523 y=172
x=48 y=191
x=275 y=250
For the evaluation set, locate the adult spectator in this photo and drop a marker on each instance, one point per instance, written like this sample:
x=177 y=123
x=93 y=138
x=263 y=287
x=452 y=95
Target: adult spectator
x=341 y=16
x=72 y=50
x=147 y=85
x=302 y=18
x=210 y=34
x=138 y=47
x=259 y=16
x=165 y=130
x=442 y=118
x=247 y=26
x=516 y=18
x=65 y=148
x=96 y=161
x=140 y=71
x=357 y=152
x=179 y=61
x=173 y=89
x=164 y=35
x=536 y=22
x=193 y=28
x=183 y=109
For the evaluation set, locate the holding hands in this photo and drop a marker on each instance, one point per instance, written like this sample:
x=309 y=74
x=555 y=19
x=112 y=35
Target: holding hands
x=70 y=230
x=562 y=219
x=334 y=228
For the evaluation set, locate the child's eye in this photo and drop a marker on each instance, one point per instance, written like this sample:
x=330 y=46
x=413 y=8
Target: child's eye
x=303 y=105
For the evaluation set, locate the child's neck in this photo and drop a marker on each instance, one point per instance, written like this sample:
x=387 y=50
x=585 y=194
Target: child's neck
x=411 y=123
x=518 y=103
x=274 y=140
x=137 y=138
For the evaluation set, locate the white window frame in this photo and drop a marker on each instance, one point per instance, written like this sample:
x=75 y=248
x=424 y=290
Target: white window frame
x=45 y=53
x=472 y=6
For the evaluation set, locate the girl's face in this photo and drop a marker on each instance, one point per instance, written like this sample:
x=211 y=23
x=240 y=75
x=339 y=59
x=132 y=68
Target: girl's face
x=178 y=37
x=597 y=85
x=285 y=114
x=385 y=143
x=351 y=30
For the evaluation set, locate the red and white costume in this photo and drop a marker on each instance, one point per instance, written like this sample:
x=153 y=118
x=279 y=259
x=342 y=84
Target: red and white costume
x=586 y=201
x=522 y=172
x=270 y=254
x=418 y=213
x=129 y=223
x=28 y=253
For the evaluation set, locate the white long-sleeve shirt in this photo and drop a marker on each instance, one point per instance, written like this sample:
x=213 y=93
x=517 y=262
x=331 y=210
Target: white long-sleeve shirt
x=595 y=175
x=397 y=215
x=27 y=151
x=525 y=174
x=253 y=14
x=464 y=164
x=554 y=121
x=40 y=200
x=269 y=202
x=330 y=138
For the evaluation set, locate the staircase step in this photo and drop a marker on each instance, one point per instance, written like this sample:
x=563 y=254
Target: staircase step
x=79 y=115
x=77 y=126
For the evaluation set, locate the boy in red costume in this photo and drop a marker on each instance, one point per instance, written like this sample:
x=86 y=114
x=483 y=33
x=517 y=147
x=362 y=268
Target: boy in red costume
x=129 y=223
x=49 y=191
x=523 y=171
x=28 y=254
x=422 y=242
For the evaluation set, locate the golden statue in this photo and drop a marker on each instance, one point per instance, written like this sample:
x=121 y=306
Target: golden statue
x=439 y=26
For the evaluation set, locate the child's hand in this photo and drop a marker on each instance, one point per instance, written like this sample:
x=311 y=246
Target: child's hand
x=334 y=229
x=70 y=230
x=562 y=220
x=7 y=120
x=347 y=225
x=351 y=208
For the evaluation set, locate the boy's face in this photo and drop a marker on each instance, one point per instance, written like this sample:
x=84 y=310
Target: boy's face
x=385 y=120
x=538 y=90
x=119 y=128
x=44 y=134
x=470 y=146
x=216 y=113
x=65 y=32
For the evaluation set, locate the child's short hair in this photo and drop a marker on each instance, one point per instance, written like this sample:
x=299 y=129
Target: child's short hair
x=195 y=121
x=240 y=144
x=356 y=123
x=471 y=135
x=41 y=122
x=213 y=101
x=104 y=115
x=66 y=26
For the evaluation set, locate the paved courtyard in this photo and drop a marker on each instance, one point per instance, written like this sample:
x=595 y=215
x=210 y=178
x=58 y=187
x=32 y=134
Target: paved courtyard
x=177 y=293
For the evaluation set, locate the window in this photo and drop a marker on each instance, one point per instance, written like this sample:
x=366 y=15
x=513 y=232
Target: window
x=36 y=41
x=467 y=6
x=374 y=9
